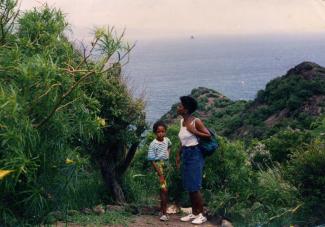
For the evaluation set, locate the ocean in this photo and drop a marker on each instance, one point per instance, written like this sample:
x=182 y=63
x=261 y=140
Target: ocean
x=238 y=66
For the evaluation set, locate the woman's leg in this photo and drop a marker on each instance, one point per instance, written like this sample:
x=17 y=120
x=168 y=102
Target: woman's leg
x=197 y=202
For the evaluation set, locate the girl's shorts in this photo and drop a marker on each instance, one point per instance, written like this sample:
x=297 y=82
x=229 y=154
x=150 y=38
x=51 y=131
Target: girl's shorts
x=192 y=168
x=162 y=165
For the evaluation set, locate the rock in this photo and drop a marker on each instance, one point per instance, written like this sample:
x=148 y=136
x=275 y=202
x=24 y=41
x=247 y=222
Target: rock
x=173 y=209
x=50 y=219
x=56 y=214
x=99 y=210
x=226 y=223
x=307 y=70
x=114 y=208
x=186 y=210
x=72 y=212
x=86 y=211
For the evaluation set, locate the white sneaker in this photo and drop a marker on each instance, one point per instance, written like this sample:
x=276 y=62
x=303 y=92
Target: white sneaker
x=164 y=218
x=189 y=217
x=199 y=219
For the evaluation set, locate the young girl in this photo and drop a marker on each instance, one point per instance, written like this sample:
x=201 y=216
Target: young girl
x=158 y=154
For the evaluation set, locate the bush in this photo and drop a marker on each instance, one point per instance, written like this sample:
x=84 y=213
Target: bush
x=248 y=197
x=277 y=199
x=284 y=143
x=306 y=171
x=228 y=181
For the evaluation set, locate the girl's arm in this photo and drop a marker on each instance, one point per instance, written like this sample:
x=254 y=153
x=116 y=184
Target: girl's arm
x=156 y=168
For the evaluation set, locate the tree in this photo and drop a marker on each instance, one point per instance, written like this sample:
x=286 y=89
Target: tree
x=8 y=15
x=58 y=106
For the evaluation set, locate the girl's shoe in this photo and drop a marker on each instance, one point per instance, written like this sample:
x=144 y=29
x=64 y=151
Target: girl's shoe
x=164 y=218
x=199 y=219
x=189 y=217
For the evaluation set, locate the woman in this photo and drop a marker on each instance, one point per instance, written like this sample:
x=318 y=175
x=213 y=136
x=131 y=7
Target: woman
x=191 y=156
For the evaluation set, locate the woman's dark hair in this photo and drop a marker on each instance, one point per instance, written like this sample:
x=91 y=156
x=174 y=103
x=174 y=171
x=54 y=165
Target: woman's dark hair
x=189 y=103
x=157 y=124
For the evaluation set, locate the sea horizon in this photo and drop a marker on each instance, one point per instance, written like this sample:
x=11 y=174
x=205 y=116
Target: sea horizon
x=236 y=66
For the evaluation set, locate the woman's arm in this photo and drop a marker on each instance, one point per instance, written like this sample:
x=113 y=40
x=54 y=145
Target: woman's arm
x=178 y=157
x=198 y=129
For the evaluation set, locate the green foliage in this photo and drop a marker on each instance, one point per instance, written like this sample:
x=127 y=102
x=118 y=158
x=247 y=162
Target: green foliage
x=227 y=118
x=306 y=172
x=259 y=155
x=286 y=142
x=318 y=127
x=8 y=15
x=245 y=196
x=55 y=105
x=228 y=179
x=290 y=91
x=41 y=28
x=277 y=199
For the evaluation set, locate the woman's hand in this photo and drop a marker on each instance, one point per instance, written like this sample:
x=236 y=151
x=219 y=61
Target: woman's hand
x=178 y=158
x=178 y=162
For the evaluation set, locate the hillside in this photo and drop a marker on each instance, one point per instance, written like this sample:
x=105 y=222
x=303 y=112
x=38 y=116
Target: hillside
x=293 y=100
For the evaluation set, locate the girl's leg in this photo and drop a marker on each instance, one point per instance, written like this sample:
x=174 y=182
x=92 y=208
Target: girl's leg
x=163 y=200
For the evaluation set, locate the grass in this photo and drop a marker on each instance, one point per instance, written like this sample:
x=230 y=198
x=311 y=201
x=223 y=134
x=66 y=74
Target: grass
x=108 y=218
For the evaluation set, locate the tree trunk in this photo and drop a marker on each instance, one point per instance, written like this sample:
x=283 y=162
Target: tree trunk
x=112 y=168
x=112 y=180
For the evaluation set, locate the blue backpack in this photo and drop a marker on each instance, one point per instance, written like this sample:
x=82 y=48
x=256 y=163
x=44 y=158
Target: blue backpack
x=208 y=145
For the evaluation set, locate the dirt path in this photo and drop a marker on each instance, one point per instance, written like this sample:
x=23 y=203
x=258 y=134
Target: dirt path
x=149 y=220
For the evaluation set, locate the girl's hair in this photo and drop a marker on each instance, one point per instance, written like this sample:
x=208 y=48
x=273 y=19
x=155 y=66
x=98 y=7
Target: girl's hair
x=157 y=124
x=189 y=103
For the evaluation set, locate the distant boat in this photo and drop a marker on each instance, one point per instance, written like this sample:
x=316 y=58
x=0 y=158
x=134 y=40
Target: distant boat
x=192 y=37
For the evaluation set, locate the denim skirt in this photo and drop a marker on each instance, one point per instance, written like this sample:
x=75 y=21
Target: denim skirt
x=192 y=168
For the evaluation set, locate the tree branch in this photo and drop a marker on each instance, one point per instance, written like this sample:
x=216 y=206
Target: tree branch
x=61 y=99
x=129 y=157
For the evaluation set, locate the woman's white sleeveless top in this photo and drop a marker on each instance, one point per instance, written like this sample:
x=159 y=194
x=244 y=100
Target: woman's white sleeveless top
x=187 y=138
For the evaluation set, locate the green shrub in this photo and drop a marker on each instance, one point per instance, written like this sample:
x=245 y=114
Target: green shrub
x=229 y=180
x=285 y=142
x=306 y=171
x=277 y=199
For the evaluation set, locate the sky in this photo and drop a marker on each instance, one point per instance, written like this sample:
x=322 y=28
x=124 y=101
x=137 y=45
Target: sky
x=182 y=18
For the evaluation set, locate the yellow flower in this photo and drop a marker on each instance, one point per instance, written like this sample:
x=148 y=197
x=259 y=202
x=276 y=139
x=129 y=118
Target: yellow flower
x=4 y=173
x=69 y=161
x=101 y=121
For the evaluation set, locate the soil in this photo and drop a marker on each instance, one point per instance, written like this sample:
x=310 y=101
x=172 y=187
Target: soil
x=151 y=220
